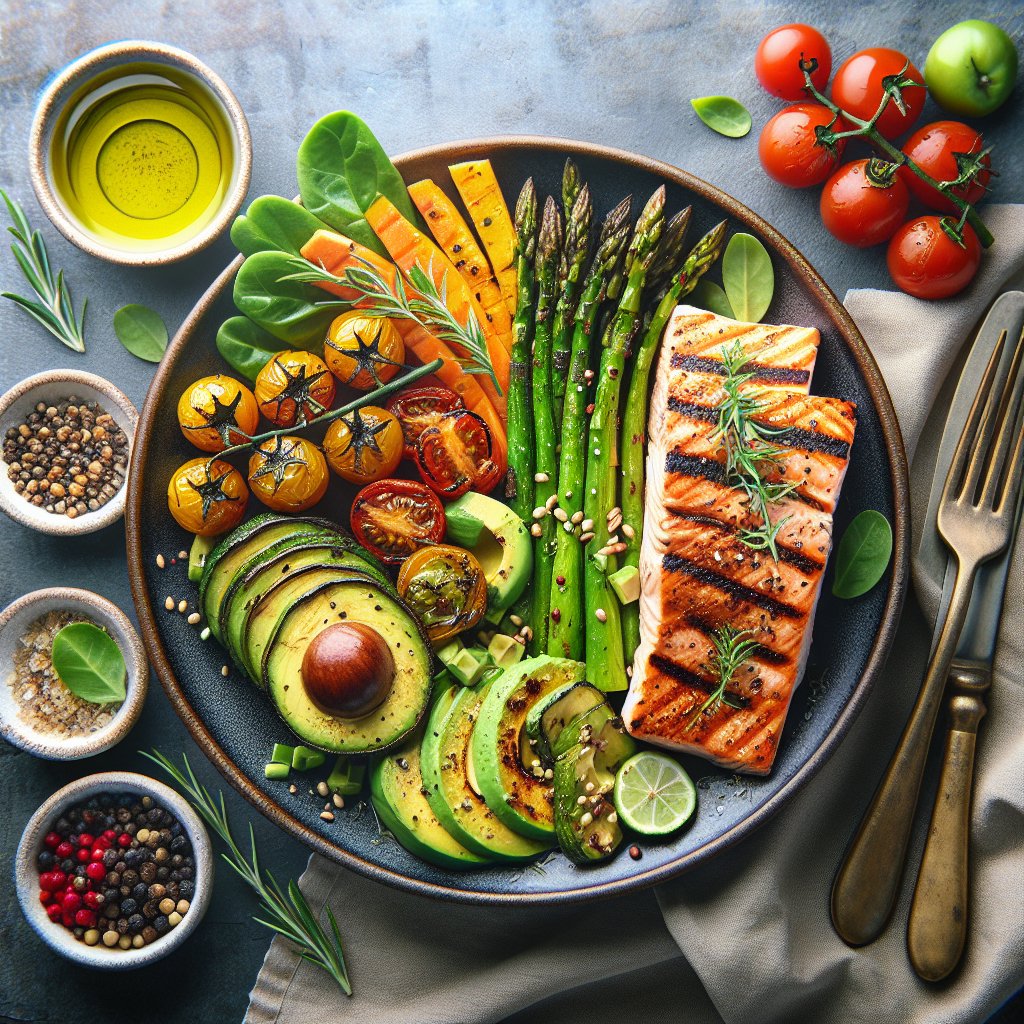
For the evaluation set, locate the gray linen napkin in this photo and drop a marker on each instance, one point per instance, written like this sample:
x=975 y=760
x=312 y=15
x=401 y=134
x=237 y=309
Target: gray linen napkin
x=747 y=937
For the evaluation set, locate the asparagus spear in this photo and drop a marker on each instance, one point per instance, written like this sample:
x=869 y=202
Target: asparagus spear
x=546 y=447
x=634 y=422
x=574 y=259
x=565 y=634
x=606 y=666
x=519 y=482
x=572 y=184
x=670 y=256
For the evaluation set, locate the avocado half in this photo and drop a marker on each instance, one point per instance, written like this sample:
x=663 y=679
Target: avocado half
x=498 y=539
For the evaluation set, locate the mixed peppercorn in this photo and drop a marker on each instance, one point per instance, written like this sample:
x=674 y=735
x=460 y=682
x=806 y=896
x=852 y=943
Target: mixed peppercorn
x=117 y=870
x=69 y=459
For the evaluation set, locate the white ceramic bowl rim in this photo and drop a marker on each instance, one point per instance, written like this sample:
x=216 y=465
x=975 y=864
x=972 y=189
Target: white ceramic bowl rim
x=60 y=939
x=54 y=94
x=104 y=613
x=23 y=397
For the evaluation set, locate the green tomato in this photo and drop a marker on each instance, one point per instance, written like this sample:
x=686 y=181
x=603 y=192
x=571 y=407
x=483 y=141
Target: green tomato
x=971 y=68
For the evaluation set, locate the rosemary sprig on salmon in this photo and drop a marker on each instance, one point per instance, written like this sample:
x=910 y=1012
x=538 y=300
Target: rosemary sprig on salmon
x=730 y=649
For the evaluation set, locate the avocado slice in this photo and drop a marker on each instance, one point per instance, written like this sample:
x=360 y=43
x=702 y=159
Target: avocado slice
x=303 y=616
x=455 y=801
x=498 y=539
x=521 y=797
x=396 y=790
x=283 y=558
x=550 y=715
x=588 y=753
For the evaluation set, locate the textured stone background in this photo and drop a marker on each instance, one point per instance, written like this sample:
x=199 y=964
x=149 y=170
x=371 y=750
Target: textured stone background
x=420 y=72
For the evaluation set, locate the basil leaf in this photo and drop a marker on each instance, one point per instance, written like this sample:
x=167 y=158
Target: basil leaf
x=246 y=347
x=292 y=311
x=748 y=277
x=710 y=296
x=724 y=115
x=141 y=331
x=863 y=554
x=273 y=223
x=89 y=663
x=342 y=168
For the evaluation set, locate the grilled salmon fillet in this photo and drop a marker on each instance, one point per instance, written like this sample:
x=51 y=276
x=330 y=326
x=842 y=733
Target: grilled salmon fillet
x=696 y=573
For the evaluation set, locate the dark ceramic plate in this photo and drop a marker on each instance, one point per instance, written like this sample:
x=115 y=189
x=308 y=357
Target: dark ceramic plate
x=236 y=726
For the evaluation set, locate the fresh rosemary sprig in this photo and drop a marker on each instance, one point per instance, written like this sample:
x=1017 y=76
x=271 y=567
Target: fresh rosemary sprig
x=749 y=453
x=730 y=648
x=55 y=312
x=426 y=307
x=287 y=914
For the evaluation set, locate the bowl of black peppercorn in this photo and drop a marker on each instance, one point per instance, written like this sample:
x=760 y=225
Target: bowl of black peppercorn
x=114 y=871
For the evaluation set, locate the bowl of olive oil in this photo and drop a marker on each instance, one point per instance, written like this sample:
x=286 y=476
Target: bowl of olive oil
x=139 y=153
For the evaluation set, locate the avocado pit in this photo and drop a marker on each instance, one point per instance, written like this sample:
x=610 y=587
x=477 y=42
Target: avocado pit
x=348 y=670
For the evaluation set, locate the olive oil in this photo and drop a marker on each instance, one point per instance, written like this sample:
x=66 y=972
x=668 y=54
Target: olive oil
x=143 y=157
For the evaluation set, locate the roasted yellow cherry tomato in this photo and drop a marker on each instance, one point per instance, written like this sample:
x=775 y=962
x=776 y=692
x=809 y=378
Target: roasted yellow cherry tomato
x=294 y=387
x=210 y=410
x=363 y=351
x=445 y=588
x=288 y=474
x=207 y=497
x=365 y=445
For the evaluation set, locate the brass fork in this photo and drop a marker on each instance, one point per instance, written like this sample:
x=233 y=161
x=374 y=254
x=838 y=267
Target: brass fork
x=975 y=519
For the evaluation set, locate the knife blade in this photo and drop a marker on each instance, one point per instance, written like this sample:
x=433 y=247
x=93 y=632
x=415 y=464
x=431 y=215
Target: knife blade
x=982 y=625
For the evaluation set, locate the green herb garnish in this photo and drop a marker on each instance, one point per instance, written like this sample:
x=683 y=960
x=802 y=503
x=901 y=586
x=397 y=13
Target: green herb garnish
x=863 y=554
x=288 y=914
x=730 y=649
x=749 y=453
x=141 y=331
x=55 y=311
x=748 y=277
x=723 y=114
x=89 y=663
x=710 y=296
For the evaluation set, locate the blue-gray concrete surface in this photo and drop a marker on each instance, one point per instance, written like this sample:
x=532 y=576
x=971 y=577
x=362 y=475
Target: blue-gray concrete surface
x=422 y=72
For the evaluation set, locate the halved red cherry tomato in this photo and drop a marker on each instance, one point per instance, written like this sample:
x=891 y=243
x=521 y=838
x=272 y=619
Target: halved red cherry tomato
x=419 y=408
x=859 y=85
x=393 y=518
x=789 y=148
x=454 y=455
x=858 y=211
x=934 y=148
x=777 y=61
x=924 y=261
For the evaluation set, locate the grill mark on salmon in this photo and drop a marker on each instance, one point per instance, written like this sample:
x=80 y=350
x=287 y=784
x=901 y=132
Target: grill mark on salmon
x=675 y=563
x=696 y=466
x=761 y=372
x=681 y=673
x=808 y=441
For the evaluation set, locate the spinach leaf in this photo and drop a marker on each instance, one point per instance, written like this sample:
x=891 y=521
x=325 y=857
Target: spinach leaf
x=89 y=663
x=723 y=114
x=246 y=347
x=863 y=554
x=292 y=311
x=748 y=277
x=141 y=331
x=342 y=168
x=708 y=295
x=274 y=223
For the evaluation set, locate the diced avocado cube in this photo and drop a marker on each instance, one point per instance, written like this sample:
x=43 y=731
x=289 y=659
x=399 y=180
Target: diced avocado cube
x=346 y=776
x=201 y=547
x=494 y=615
x=304 y=759
x=449 y=651
x=626 y=584
x=601 y=561
x=467 y=667
x=282 y=754
x=504 y=651
x=274 y=770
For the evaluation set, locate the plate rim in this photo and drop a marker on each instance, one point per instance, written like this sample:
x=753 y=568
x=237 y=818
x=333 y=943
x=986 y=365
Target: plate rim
x=899 y=478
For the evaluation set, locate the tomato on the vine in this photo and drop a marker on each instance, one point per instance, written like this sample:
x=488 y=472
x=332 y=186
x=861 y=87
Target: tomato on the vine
x=924 y=261
x=288 y=474
x=860 y=211
x=294 y=387
x=207 y=496
x=455 y=455
x=419 y=408
x=210 y=410
x=859 y=85
x=394 y=518
x=789 y=148
x=364 y=445
x=777 y=61
x=363 y=351
x=935 y=148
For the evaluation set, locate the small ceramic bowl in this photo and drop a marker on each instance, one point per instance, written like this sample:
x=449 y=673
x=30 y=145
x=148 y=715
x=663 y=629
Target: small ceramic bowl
x=51 y=387
x=26 y=873
x=66 y=84
x=16 y=618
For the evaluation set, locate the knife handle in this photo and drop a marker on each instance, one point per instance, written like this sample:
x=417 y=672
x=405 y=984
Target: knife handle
x=938 y=915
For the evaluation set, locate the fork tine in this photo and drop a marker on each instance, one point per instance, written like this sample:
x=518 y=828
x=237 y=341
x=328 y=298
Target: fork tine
x=969 y=441
x=1013 y=392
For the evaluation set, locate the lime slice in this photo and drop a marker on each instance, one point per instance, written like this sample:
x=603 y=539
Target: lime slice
x=653 y=794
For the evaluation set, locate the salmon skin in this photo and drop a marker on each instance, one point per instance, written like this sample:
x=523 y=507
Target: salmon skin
x=697 y=575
